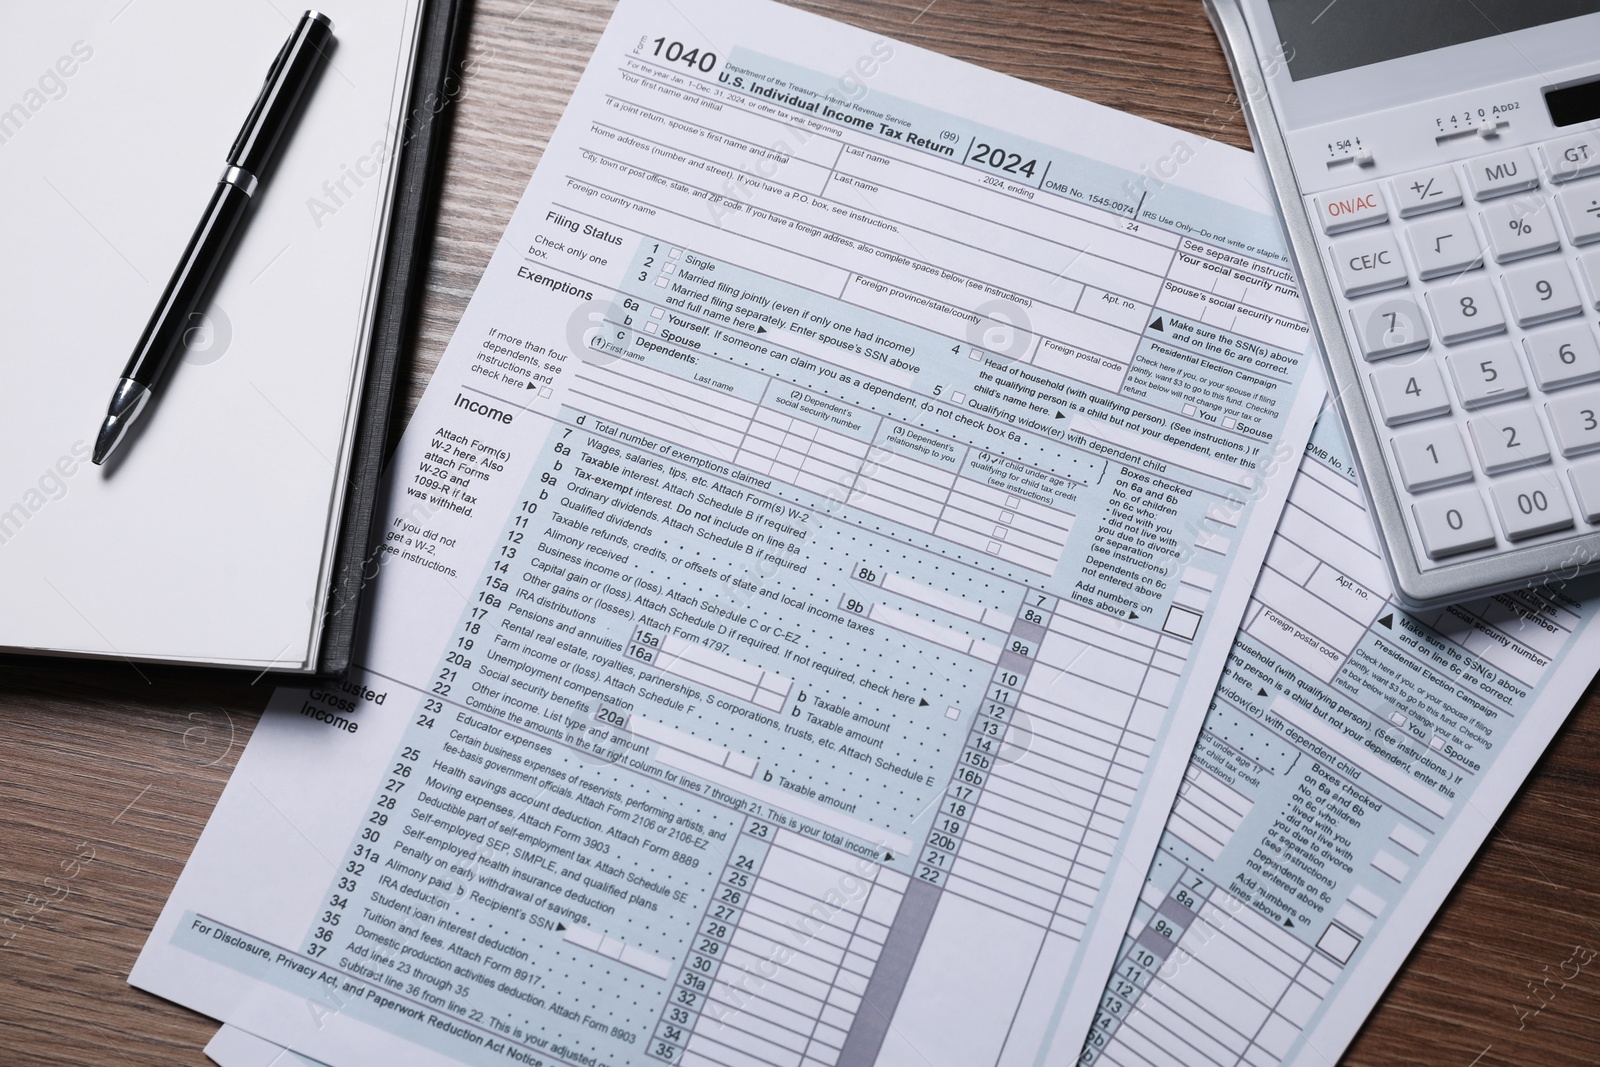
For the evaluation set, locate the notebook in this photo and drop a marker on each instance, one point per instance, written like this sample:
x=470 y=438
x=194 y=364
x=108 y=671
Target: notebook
x=232 y=531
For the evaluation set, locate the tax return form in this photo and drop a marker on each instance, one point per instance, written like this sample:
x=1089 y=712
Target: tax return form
x=805 y=576
x=1354 y=759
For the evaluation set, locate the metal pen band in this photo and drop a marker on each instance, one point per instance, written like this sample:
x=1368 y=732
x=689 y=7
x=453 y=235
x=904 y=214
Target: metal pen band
x=240 y=179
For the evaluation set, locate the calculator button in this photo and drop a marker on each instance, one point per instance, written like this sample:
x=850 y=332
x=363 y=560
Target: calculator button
x=1520 y=228
x=1509 y=438
x=1569 y=158
x=1589 y=268
x=1367 y=263
x=1531 y=504
x=1575 y=418
x=1564 y=356
x=1501 y=173
x=1580 y=212
x=1586 y=484
x=1352 y=208
x=1444 y=246
x=1452 y=523
x=1406 y=394
x=1487 y=374
x=1428 y=190
x=1541 y=292
x=1391 y=328
x=1431 y=457
x=1464 y=310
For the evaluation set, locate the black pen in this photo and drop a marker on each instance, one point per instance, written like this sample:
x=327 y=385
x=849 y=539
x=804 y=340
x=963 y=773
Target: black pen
x=290 y=75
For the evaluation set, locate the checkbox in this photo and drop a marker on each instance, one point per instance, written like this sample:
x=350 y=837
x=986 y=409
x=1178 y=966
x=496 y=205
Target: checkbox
x=651 y=327
x=1007 y=516
x=1181 y=622
x=662 y=281
x=994 y=548
x=952 y=712
x=1012 y=501
x=1228 y=422
x=1338 y=942
x=1188 y=409
x=1397 y=718
x=1436 y=742
x=958 y=397
x=675 y=253
x=669 y=268
x=976 y=354
x=1000 y=533
x=544 y=393
x=656 y=313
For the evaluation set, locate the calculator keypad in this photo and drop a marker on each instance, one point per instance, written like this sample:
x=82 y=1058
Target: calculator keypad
x=1478 y=326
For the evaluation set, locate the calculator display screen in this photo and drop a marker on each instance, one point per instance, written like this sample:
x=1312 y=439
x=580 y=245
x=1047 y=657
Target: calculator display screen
x=1323 y=36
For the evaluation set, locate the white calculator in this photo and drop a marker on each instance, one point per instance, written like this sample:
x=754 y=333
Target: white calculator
x=1437 y=166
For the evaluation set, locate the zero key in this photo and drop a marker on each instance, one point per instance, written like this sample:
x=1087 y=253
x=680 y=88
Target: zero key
x=1352 y=208
x=1452 y=523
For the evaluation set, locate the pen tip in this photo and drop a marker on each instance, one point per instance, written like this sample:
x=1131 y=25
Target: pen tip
x=105 y=442
x=126 y=405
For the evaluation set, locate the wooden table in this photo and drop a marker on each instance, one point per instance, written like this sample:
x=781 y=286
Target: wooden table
x=107 y=774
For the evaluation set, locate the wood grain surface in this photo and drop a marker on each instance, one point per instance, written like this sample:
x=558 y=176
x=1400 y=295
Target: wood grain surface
x=107 y=773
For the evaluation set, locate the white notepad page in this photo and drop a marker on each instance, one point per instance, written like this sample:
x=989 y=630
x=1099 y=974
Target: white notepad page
x=210 y=539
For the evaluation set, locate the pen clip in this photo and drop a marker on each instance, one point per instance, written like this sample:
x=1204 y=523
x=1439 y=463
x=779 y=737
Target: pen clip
x=261 y=97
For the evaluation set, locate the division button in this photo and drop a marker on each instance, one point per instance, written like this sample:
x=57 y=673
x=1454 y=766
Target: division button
x=1352 y=208
x=1501 y=173
x=1452 y=523
x=1531 y=504
x=1579 y=207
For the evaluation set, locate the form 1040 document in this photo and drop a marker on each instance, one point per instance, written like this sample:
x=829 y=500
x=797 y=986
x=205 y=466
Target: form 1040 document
x=1354 y=759
x=804 y=580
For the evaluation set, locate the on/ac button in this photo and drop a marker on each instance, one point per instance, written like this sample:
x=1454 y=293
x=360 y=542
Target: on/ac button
x=1352 y=208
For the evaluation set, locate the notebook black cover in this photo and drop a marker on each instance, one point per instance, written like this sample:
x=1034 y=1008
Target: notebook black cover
x=436 y=83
